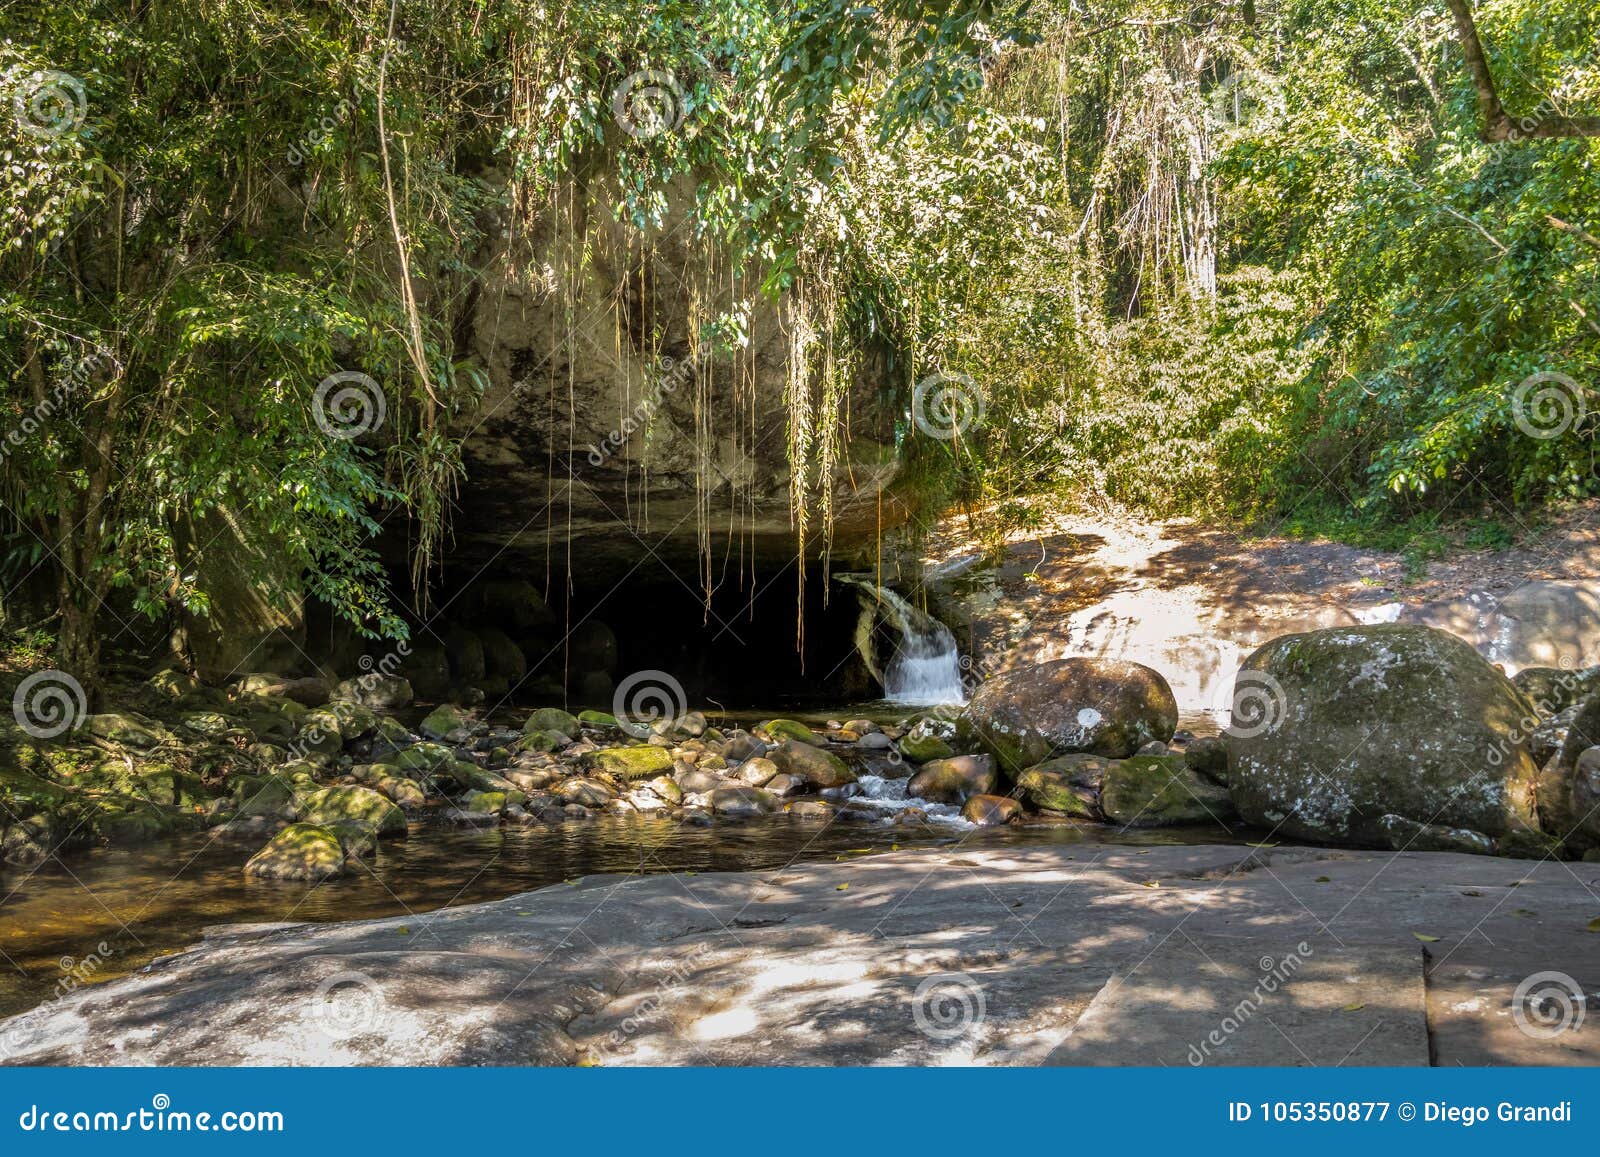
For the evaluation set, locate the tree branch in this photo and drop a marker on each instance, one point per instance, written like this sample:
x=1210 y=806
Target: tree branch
x=1498 y=125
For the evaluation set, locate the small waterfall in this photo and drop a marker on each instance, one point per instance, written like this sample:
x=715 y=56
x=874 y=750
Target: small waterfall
x=925 y=667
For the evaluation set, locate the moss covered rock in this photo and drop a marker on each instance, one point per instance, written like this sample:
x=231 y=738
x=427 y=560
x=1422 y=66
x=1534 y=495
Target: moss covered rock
x=1344 y=727
x=553 y=719
x=1069 y=784
x=352 y=804
x=445 y=719
x=781 y=729
x=641 y=762
x=989 y=811
x=299 y=852
x=421 y=760
x=1101 y=706
x=597 y=719
x=1150 y=791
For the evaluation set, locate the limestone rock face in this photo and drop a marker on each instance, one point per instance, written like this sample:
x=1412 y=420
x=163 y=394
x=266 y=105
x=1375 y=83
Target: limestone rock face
x=1103 y=706
x=1338 y=735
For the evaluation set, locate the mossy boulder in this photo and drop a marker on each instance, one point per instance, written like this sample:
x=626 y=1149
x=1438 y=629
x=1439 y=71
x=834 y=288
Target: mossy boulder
x=1345 y=727
x=310 y=690
x=267 y=795
x=1100 y=706
x=1149 y=791
x=781 y=729
x=445 y=720
x=376 y=690
x=355 y=805
x=407 y=793
x=421 y=760
x=502 y=658
x=597 y=719
x=475 y=778
x=924 y=747
x=303 y=851
x=553 y=719
x=740 y=801
x=1208 y=755
x=542 y=741
x=1552 y=689
x=173 y=684
x=1069 y=784
x=643 y=762
x=812 y=765
x=955 y=779
x=427 y=669
x=127 y=728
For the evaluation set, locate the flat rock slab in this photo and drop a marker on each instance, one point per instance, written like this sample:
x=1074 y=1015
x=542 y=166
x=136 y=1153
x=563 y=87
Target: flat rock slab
x=990 y=951
x=1209 y=1001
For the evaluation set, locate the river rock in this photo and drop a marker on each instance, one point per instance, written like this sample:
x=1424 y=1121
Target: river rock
x=694 y=779
x=742 y=802
x=928 y=739
x=310 y=690
x=741 y=747
x=1158 y=790
x=585 y=791
x=756 y=772
x=1343 y=727
x=811 y=765
x=630 y=762
x=376 y=691
x=552 y=719
x=990 y=810
x=299 y=852
x=782 y=729
x=784 y=785
x=1208 y=755
x=955 y=779
x=427 y=668
x=381 y=778
x=1069 y=784
x=445 y=721
x=352 y=804
x=1100 y=706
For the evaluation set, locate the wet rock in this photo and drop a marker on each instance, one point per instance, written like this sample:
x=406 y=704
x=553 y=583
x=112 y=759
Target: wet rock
x=1159 y=790
x=421 y=760
x=597 y=719
x=585 y=791
x=783 y=784
x=299 y=852
x=739 y=748
x=812 y=765
x=1069 y=784
x=928 y=739
x=694 y=779
x=666 y=788
x=1100 y=706
x=954 y=779
x=1341 y=728
x=742 y=802
x=990 y=810
x=475 y=778
x=809 y=809
x=381 y=778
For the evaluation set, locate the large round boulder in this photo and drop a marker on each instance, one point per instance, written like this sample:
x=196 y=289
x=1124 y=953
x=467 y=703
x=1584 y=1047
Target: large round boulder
x=1352 y=735
x=1101 y=706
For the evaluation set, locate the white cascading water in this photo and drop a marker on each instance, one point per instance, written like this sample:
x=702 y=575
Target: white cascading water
x=925 y=668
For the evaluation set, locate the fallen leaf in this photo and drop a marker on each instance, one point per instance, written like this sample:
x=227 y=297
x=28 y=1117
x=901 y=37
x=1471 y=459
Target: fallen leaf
x=1151 y=883
x=1357 y=1006
x=1424 y=937
x=1324 y=880
x=1523 y=912
x=1472 y=893
x=403 y=930
x=841 y=887
x=1261 y=845
x=1594 y=925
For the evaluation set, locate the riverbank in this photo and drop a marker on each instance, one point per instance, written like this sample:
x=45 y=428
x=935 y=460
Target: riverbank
x=964 y=954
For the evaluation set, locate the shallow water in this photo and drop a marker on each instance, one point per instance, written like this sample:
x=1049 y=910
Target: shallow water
x=111 y=911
